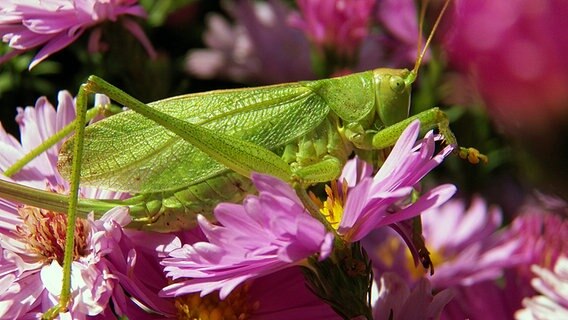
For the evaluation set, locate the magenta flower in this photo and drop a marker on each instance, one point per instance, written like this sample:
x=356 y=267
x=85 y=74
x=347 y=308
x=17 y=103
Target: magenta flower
x=340 y=26
x=55 y=24
x=109 y=262
x=514 y=52
x=544 y=236
x=280 y=295
x=272 y=231
x=553 y=286
x=397 y=301
x=267 y=233
x=383 y=200
x=502 y=297
x=540 y=239
x=468 y=244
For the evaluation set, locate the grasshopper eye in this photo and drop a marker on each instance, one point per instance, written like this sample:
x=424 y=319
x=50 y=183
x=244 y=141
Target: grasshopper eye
x=397 y=84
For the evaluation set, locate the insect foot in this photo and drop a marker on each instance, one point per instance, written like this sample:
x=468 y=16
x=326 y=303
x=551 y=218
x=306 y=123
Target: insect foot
x=472 y=155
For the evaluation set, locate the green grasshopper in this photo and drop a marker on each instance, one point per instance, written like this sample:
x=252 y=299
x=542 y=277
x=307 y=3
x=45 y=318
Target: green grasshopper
x=181 y=156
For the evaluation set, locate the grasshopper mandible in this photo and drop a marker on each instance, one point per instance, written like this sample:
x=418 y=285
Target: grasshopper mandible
x=183 y=155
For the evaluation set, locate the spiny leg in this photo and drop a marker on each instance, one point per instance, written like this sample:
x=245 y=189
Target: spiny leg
x=80 y=120
x=429 y=119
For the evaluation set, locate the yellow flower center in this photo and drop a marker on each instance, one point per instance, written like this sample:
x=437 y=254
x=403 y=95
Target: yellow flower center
x=236 y=306
x=44 y=233
x=332 y=207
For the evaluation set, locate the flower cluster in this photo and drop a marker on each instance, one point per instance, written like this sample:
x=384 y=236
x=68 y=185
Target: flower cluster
x=109 y=261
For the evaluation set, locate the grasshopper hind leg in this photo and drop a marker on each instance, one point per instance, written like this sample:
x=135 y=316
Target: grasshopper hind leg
x=65 y=297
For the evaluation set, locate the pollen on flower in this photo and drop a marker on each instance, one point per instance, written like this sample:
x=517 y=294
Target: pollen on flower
x=332 y=207
x=44 y=231
x=237 y=306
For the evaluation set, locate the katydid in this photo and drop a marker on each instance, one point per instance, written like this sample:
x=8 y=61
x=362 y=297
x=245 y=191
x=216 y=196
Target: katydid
x=181 y=156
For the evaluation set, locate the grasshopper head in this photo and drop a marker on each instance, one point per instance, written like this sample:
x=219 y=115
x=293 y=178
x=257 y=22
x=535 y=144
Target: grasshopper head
x=392 y=94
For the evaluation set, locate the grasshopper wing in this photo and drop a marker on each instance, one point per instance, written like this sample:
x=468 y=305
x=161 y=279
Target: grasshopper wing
x=128 y=152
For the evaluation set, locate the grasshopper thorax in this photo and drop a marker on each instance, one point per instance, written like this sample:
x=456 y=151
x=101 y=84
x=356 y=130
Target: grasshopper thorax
x=392 y=94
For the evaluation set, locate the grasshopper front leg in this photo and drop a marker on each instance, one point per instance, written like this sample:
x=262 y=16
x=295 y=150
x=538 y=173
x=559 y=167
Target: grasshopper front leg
x=429 y=119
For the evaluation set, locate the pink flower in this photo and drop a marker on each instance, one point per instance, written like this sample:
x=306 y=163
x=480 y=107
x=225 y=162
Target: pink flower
x=267 y=233
x=397 y=301
x=544 y=235
x=383 y=200
x=469 y=244
x=540 y=240
x=466 y=246
x=514 y=53
x=340 y=25
x=553 y=286
x=502 y=297
x=279 y=295
x=55 y=24
x=109 y=262
x=273 y=231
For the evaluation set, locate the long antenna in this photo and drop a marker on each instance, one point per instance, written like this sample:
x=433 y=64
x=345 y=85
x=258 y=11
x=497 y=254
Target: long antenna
x=421 y=56
x=420 y=26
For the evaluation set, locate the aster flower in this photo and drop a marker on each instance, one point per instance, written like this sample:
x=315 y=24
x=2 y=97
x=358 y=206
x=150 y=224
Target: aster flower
x=279 y=295
x=108 y=263
x=539 y=239
x=382 y=200
x=396 y=300
x=466 y=246
x=553 y=286
x=55 y=24
x=502 y=297
x=267 y=233
x=544 y=234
